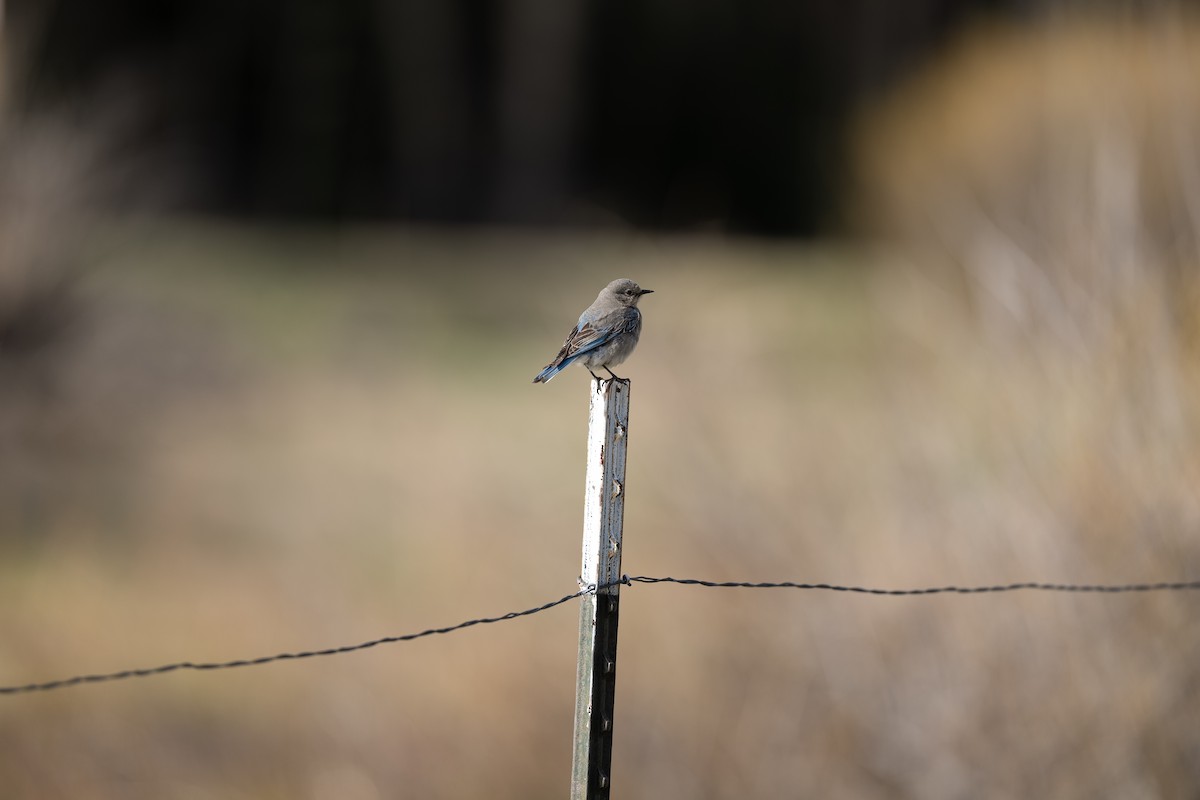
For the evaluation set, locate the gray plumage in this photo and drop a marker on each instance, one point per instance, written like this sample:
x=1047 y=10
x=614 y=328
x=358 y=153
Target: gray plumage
x=606 y=333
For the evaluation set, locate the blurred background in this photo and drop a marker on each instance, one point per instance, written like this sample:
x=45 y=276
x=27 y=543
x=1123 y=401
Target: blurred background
x=275 y=278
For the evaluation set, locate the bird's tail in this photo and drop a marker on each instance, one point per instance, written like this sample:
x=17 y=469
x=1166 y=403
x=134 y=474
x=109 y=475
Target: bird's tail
x=554 y=367
x=549 y=372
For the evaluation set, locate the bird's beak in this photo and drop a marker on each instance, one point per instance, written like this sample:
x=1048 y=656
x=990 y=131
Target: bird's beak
x=645 y=291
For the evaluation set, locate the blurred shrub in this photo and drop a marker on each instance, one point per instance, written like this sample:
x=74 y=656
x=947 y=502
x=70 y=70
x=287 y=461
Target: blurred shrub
x=1052 y=173
x=1050 y=176
x=56 y=169
x=41 y=204
x=1056 y=167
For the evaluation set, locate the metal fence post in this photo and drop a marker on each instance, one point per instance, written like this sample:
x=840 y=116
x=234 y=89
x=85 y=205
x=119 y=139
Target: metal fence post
x=604 y=504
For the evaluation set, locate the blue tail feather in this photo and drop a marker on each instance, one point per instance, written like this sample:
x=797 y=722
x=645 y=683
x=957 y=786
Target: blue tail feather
x=553 y=369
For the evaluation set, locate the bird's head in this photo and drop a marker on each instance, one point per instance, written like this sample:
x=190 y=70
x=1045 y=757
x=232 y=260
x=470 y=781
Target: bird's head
x=625 y=291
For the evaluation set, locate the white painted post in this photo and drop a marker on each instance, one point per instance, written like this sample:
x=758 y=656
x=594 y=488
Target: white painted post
x=603 y=512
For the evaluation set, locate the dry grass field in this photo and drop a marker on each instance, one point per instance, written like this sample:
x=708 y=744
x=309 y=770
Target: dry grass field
x=251 y=452
x=253 y=441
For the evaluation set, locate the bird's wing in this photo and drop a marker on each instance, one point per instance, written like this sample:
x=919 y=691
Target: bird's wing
x=631 y=321
x=588 y=335
x=585 y=337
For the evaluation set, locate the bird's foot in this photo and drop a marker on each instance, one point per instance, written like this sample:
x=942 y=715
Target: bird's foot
x=614 y=375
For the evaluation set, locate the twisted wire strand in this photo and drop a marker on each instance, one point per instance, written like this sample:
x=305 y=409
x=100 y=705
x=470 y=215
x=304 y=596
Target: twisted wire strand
x=1005 y=587
x=253 y=662
x=1162 y=586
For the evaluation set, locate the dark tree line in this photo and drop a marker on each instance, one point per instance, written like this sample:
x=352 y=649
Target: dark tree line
x=667 y=113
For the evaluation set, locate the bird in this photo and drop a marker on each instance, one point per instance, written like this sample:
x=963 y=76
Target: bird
x=606 y=333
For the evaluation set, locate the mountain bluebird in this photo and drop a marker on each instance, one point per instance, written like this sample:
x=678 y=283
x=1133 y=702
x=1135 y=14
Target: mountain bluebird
x=606 y=334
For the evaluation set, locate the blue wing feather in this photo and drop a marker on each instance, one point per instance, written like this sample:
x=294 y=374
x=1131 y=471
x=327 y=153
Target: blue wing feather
x=580 y=341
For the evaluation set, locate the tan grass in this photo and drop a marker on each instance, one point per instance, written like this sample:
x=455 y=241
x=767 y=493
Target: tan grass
x=363 y=454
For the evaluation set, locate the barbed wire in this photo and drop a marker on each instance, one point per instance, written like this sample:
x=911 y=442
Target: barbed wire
x=47 y=686
x=1006 y=587
x=253 y=662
